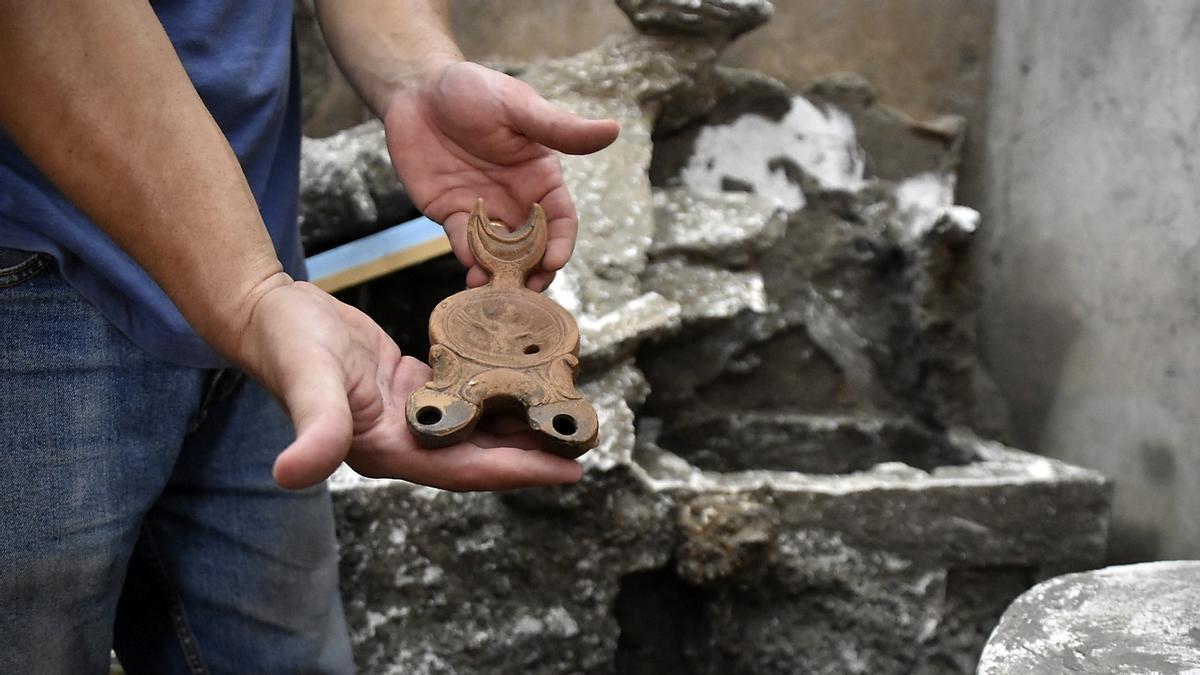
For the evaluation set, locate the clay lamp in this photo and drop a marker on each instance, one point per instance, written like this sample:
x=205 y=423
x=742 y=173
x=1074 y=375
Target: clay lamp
x=503 y=348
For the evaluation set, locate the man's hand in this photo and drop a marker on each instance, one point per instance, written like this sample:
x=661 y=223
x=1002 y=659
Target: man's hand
x=344 y=384
x=465 y=132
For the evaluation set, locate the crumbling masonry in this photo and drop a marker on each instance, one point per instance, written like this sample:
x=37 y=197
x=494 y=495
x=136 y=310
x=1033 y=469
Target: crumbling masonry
x=778 y=335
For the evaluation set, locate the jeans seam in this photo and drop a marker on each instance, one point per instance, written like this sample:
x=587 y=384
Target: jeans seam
x=183 y=631
x=26 y=270
x=219 y=385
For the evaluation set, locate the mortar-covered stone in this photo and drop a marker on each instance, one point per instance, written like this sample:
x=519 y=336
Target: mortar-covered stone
x=706 y=292
x=729 y=228
x=717 y=18
x=348 y=188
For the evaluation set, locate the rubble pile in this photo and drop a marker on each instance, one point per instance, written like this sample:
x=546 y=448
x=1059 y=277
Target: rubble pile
x=777 y=334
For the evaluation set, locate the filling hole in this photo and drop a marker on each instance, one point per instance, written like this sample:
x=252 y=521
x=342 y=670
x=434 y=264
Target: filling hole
x=429 y=415
x=564 y=424
x=532 y=349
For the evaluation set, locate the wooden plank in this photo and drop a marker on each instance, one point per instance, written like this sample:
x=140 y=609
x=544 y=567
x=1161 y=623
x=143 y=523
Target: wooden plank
x=378 y=254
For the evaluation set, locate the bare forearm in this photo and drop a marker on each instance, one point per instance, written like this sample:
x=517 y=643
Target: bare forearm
x=386 y=45
x=96 y=97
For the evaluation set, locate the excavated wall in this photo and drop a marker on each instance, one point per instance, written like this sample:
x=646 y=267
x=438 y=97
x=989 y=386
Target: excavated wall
x=777 y=333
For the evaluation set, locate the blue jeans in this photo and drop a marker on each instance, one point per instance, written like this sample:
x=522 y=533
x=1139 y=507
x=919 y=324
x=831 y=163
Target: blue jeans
x=137 y=509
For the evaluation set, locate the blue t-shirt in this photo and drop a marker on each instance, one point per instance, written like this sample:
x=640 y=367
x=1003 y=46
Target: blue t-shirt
x=239 y=55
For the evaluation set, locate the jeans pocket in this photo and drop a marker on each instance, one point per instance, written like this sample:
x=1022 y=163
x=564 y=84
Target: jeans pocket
x=17 y=266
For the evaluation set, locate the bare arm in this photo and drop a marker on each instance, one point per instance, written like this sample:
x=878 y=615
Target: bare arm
x=388 y=46
x=95 y=96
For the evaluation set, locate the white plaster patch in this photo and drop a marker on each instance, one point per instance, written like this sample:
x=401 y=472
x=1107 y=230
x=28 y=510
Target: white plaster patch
x=852 y=660
x=924 y=199
x=377 y=619
x=820 y=140
x=483 y=539
x=527 y=625
x=1042 y=469
x=398 y=536
x=432 y=575
x=560 y=622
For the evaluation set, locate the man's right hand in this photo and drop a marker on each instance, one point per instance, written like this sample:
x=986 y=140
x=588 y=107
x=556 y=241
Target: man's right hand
x=344 y=384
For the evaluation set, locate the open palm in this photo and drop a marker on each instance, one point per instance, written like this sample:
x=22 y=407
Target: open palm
x=472 y=132
x=344 y=384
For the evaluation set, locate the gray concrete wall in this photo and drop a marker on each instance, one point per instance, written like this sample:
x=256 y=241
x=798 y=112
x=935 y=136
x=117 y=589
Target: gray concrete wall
x=1090 y=261
x=927 y=57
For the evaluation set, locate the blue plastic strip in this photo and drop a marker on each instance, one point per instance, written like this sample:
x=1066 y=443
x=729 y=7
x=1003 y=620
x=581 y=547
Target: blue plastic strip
x=361 y=251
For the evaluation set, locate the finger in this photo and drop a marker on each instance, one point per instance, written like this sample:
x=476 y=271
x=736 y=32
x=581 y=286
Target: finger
x=540 y=281
x=455 y=226
x=486 y=462
x=505 y=468
x=476 y=277
x=523 y=440
x=554 y=127
x=563 y=226
x=316 y=402
x=560 y=245
x=410 y=374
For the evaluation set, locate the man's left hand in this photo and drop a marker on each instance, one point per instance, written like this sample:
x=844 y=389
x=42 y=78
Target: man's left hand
x=466 y=132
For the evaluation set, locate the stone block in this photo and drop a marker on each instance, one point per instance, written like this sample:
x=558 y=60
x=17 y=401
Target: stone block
x=1127 y=619
x=716 y=18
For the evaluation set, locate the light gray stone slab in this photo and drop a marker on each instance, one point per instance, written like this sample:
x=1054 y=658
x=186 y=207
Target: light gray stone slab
x=1130 y=619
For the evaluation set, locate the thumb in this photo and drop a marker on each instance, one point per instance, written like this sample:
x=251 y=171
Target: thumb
x=556 y=128
x=317 y=403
